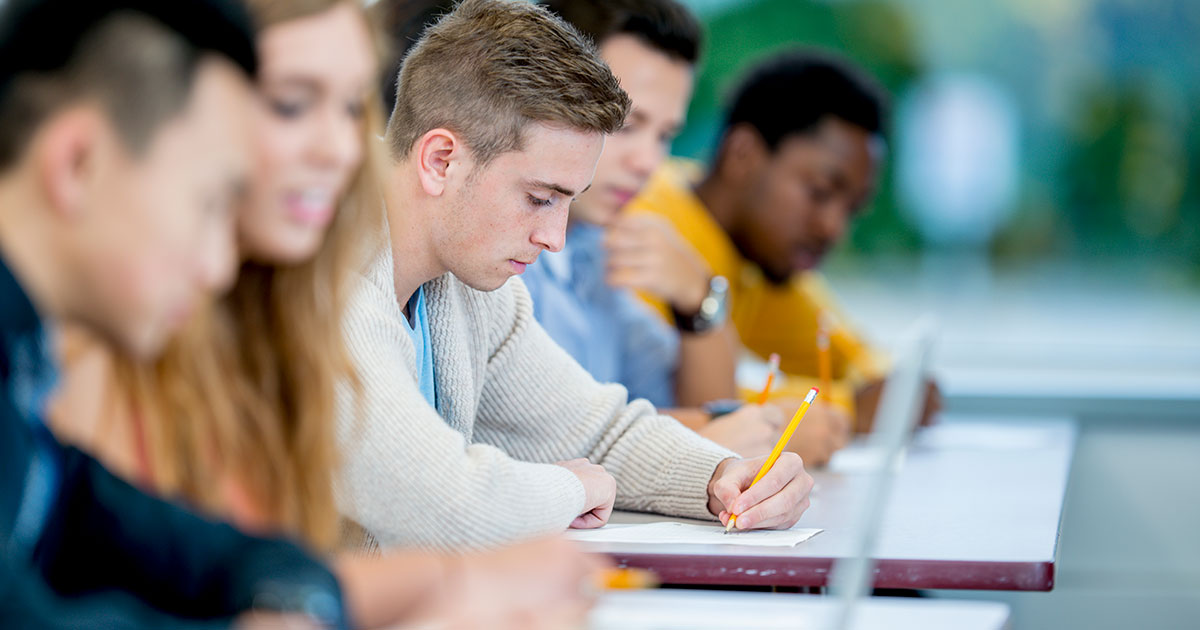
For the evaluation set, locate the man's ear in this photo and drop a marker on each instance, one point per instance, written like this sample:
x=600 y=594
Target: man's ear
x=66 y=153
x=439 y=155
x=742 y=153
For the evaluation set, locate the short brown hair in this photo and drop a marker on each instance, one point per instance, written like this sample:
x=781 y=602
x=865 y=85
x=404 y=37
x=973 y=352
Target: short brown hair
x=490 y=68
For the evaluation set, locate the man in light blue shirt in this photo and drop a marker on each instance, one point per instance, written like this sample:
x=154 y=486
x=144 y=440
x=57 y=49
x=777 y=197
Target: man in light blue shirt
x=613 y=335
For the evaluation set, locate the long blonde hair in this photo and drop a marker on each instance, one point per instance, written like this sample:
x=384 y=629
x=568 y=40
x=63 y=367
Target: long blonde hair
x=248 y=390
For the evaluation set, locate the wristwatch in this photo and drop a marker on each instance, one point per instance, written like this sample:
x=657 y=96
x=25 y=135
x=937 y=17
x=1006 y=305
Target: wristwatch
x=721 y=407
x=713 y=309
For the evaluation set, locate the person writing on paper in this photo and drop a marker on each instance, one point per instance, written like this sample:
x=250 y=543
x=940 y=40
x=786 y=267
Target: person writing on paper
x=478 y=428
x=798 y=159
x=652 y=47
x=237 y=416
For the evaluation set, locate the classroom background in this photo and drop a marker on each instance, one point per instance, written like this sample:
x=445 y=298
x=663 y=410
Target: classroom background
x=1040 y=199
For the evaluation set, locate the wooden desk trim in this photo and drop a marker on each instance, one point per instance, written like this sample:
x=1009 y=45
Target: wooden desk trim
x=805 y=571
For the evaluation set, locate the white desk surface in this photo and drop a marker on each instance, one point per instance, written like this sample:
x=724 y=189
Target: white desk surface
x=975 y=505
x=722 y=610
x=1076 y=392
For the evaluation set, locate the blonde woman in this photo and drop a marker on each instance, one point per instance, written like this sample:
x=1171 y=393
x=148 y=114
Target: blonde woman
x=237 y=418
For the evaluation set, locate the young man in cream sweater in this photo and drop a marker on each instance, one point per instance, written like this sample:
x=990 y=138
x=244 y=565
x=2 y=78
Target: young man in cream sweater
x=473 y=427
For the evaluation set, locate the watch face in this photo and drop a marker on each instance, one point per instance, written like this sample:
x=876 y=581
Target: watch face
x=712 y=308
x=719 y=284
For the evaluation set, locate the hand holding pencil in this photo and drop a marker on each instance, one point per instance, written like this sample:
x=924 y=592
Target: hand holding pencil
x=769 y=492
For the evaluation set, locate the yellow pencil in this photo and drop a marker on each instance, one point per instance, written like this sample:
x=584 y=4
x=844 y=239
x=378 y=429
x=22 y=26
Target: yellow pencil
x=779 y=446
x=824 y=363
x=766 y=391
x=627 y=579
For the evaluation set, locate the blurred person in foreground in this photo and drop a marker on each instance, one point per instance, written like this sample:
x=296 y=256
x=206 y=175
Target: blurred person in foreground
x=237 y=416
x=122 y=151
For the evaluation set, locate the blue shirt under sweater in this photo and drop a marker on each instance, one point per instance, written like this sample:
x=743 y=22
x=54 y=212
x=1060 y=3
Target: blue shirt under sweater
x=418 y=331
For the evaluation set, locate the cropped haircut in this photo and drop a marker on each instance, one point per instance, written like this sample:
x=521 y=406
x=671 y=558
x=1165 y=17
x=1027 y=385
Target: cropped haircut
x=490 y=68
x=664 y=25
x=136 y=58
x=791 y=93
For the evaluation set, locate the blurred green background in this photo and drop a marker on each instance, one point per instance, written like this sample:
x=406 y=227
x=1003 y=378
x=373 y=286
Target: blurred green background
x=1096 y=153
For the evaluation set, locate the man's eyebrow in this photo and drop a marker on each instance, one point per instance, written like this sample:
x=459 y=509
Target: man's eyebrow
x=567 y=192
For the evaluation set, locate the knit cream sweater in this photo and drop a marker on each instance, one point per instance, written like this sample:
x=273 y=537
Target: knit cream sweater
x=478 y=471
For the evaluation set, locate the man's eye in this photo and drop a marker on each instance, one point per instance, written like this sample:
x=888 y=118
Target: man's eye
x=539 y=202
x=287 y=109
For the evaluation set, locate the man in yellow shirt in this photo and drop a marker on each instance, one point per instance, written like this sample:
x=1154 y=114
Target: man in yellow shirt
x=798 y=159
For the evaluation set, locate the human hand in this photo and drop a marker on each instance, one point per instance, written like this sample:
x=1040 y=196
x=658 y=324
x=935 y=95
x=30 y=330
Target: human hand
x=600 y=489
x=824 y=431
x=933 y=403
x=750 y=431
x=776 y=502
x=866 y=403
x=646 y=254
x=541 y=585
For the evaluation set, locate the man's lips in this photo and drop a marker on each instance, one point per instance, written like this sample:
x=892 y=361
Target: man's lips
x=519 y=266
x=804 y=258
x=622 y=195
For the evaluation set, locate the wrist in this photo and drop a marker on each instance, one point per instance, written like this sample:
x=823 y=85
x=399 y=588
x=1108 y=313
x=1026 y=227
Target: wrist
x=711 y=312
x=721 y=407
x=688 y=300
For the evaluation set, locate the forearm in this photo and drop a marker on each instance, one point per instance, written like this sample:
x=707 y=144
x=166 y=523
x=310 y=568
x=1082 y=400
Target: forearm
x=692 y=418
x=166 y=556
x=707 y=365
x=394 y=588
x=661 y=466
x=423 y=487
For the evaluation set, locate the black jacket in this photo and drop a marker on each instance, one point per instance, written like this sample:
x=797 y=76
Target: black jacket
x=81 y=548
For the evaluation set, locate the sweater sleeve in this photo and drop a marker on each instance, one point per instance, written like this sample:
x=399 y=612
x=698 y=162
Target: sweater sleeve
x=538 y=404
x=411 y=479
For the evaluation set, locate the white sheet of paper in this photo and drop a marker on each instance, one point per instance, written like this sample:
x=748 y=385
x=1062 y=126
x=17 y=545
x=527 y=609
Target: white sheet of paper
x=688 y=534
